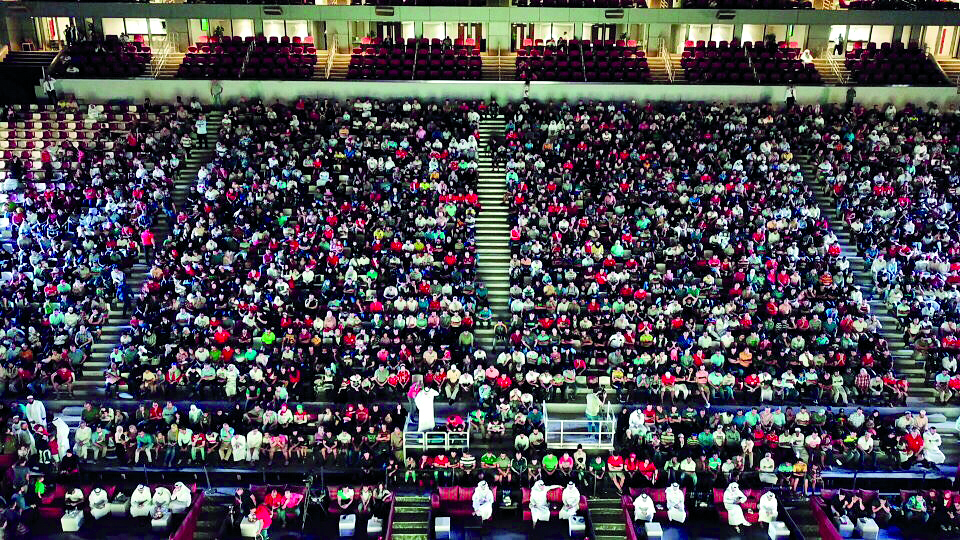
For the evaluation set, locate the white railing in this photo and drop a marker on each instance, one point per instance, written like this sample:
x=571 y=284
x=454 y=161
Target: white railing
x=424 y=441
x=160 y=58
x=246 y=58
x=596 y=434
x=835 y=67
x=667 y=58
x=331 y=53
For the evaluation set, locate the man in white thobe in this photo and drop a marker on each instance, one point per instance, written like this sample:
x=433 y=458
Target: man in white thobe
x=424 y=401
x=767 y=507
x=676 y=503
x=643 y=508
x=732 y=498
x=571 y=501
x=36 y=412
x=140 y=501
x=482 y=498
x=539 y=507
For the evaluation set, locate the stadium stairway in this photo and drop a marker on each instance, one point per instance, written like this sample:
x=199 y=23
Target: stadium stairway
x=492 y=230
x=21 y=71
x=411 y=518
x=921 y=392
x=90 y=385
x=214 y=515
x=658 y=69
x=802 y=515
x=606 y=515
x=829 y=76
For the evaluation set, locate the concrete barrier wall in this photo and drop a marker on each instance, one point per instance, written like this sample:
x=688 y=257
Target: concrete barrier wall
x=135 y=90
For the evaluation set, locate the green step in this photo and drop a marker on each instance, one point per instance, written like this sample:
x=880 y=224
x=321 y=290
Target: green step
x=407 y=514
x=604 y=510
x=410 y=526
x=606 y=536
x=413 y=499
x=609 y=527
x=421 y=536
x=605 y=503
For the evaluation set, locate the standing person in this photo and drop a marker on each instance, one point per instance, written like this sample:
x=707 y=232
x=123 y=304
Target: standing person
x=147 y=241
x=50 y=87
x=201 y=127
x=839 y=48
x=851 y=96
x=216 y=90
x=791 y=96
x=36 y=412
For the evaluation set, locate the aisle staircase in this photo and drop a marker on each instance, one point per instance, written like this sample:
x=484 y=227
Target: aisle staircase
x=904 y=364
x=951 y=68
x=341 y=64
x=829 y=76
x=411 y=518
x=90 y=386
x=606 y=515
x=658 y=70
x=492 y=230
x=166 y=68
x=499 y=67
x=214 y=516
x=802 y=515
x=21 y=72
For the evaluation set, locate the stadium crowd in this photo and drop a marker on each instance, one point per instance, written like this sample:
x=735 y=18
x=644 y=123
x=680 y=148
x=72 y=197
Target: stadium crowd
x=678 y=249
x=893 y=176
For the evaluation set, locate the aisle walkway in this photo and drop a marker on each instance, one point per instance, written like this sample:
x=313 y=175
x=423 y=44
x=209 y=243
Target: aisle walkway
x=921 y=392
x=90 y=386
x=492 y=231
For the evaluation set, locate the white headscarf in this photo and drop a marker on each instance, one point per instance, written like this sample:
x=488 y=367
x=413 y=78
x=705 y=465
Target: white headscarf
x=571 y=495
x=733 y=495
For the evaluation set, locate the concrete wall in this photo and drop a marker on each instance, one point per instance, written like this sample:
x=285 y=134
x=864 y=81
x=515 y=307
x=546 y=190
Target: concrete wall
x=168 y=90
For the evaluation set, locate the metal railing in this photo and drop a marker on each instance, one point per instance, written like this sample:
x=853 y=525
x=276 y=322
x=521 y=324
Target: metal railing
x=424 y=441
x=161 y=57
x=583 y=64
x=246 y=58
x=667 y=57
x=835 y=67
x=592 y=434
x=331 y=53
x=416 y=55
x=51 y=69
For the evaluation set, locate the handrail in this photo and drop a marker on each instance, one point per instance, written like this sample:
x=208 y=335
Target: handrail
x=583 y=63
x=416 y=54
x=330 y=54
x=433 y=440
x=161 y=57
x=246 y=58
x=667 y=58
x=560 y=433
x=50 y=69
x=835 y=67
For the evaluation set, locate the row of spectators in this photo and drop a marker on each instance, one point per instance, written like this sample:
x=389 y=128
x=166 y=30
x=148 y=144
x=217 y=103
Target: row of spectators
x=79 y=218
x=678 y=249
x=352 y=274
x=893 y=175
